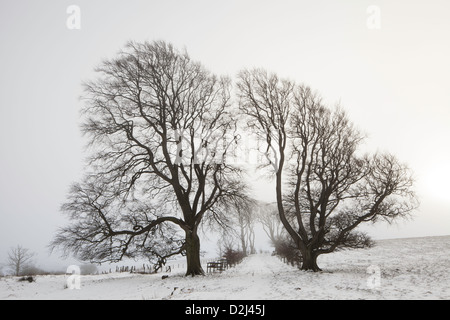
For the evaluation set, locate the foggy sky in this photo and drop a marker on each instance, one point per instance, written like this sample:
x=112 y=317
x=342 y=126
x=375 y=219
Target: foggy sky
x=393 y=81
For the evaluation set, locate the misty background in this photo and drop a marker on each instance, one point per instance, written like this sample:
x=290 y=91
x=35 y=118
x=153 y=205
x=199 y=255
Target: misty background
x=385 y=62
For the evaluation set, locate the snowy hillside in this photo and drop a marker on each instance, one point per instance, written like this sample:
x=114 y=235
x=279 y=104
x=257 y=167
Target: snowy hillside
x=415 y=268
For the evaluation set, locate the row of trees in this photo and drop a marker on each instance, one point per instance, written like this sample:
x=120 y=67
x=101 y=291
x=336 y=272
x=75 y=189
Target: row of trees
x=160 y=128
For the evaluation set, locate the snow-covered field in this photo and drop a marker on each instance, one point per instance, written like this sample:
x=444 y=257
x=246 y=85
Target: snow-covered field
x=415 y=268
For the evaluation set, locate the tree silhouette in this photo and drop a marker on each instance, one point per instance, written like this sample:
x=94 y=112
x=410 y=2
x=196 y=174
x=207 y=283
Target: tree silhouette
x=159 y=126
x=18 y=259
x=324 y=188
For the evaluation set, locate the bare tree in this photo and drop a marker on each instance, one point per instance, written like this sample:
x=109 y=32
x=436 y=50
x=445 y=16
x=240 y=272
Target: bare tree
x=18 y=259
x=324 y=188
x=245 y=215
x=268 y=216
x=237 y=222
x=160 y=126
x=227 y=241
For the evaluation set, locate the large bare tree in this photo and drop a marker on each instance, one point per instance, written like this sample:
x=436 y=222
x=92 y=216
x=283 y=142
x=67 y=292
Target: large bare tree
x=159 y=127
x=324 y=188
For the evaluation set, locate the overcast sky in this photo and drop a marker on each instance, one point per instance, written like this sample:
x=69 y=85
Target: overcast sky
x=386 y=62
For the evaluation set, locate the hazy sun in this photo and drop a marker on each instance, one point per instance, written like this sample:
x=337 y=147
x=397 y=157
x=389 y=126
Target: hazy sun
x=436 y=182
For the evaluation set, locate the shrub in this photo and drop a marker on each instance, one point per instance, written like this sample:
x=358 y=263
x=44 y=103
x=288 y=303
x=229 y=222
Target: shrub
x=288 y=251
x=233 y=256
x=27 y=278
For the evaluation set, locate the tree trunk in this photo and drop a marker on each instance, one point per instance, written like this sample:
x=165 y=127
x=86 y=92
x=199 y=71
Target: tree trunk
x=309 y=261
x=194 y=266
x=243 y=242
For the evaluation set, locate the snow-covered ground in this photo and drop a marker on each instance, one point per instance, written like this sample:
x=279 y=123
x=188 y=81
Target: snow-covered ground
x=415 y=268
